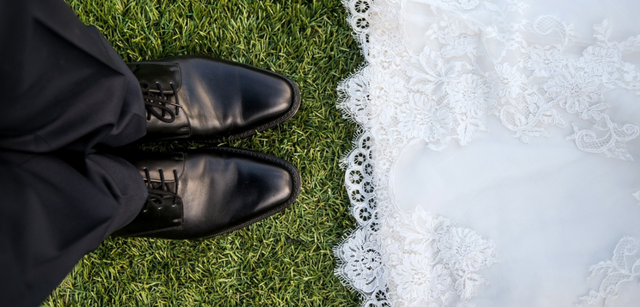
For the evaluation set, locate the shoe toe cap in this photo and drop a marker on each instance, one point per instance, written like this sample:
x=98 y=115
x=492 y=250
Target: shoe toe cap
x=235 y=99
x=266 y=96
x=238 y=191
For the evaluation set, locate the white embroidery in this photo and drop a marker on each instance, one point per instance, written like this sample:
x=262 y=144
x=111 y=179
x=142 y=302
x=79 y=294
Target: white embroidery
x=467 y=72
x=433 y=260
x=612 y=144
x=362 y=262
x=623 y=267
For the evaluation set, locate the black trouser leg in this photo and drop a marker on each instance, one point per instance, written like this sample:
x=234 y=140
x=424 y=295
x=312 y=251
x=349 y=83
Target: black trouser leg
x=63 y=86
x=66 y=94
x=54 y=212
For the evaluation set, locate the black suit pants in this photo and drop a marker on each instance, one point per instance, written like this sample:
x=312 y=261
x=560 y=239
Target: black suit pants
x=65 y=98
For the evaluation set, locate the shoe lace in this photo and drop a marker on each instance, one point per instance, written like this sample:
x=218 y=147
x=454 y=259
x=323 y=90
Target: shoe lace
x=159 y=190
x=157 y=103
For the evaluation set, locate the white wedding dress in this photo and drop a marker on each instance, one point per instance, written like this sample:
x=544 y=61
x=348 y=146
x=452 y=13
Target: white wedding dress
x=498 y=162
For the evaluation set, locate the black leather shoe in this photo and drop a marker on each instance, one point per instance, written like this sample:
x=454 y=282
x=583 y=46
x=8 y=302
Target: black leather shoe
x=212 y=100
x=204 y=193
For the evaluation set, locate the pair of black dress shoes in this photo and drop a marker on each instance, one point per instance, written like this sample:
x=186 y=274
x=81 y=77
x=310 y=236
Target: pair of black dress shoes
x=207 y=192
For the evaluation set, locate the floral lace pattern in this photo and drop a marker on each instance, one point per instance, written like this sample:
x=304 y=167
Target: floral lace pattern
x=528 y=93
x=435 y=262
x=623 y=267
x=525 y=73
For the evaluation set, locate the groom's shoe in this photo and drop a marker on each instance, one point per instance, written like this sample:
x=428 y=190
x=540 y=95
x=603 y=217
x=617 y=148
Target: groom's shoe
x=212 y=100
x=203 y=193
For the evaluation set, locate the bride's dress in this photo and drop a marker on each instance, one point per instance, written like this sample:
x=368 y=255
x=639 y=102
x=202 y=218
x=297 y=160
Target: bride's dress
x=498 y=162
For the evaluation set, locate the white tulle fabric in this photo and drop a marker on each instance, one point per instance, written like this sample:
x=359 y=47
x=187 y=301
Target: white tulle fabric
x=497 y=162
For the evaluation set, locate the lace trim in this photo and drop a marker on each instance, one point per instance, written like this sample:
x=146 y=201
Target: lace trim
x=623 y=267
x=467 y=72
x=446 y=94
x=447 y=256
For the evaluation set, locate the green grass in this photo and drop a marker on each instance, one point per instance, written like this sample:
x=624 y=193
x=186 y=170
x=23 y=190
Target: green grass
x=287 y=259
